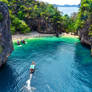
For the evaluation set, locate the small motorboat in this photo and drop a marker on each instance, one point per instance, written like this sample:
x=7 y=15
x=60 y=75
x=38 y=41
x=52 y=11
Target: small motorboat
x=32 y=70
x=18 y=42
x=23 y=41
x=32 y=67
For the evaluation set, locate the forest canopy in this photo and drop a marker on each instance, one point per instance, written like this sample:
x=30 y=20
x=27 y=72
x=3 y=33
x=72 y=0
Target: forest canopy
x=31 y=15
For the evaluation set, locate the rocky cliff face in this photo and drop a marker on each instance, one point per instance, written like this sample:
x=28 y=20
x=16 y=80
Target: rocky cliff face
x=85 y=38
x=83 y=34
x=6 y=45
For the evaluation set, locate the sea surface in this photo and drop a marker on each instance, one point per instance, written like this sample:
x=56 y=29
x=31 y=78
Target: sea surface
x=68 y=10
x=62 y=65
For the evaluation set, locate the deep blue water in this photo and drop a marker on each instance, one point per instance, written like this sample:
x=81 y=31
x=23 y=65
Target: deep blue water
x=68 y=10
x=62 y=65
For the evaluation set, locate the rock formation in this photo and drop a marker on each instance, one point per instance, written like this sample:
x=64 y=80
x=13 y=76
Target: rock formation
x=85 y=38
x=6 y=45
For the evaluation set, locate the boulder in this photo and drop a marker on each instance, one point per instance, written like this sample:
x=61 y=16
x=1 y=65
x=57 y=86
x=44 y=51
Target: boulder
x=6 y=45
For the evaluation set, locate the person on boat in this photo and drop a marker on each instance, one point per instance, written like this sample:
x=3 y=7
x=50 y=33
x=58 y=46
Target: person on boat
x=18 y=42
x=32 y=67
x=23 y=41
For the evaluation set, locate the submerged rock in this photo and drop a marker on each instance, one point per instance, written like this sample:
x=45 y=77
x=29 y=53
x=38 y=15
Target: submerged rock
x=6 y=45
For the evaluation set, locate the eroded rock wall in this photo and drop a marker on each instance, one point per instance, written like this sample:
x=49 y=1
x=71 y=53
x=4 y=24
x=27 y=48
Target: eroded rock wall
x=83 y=34
x=6 y=45
x=85 y=38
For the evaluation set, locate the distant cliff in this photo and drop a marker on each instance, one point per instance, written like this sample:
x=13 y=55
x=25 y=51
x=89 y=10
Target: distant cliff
x=6 y=45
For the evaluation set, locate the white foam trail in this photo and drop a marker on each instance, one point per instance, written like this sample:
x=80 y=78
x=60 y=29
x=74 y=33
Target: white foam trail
x=19 y=45
x=30 y=76
x=28 y=82
x=27 y=87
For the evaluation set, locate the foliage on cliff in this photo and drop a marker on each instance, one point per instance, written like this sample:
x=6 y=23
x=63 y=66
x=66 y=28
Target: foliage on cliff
x=69 y=23
x=1 y=16
x=84 y=17
x=32 y=15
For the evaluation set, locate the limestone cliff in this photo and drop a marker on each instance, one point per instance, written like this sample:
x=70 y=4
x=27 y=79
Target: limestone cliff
x=85 y=38
x=6 y=45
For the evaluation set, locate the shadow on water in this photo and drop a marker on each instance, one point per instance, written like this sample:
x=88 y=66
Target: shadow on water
x=7 y=79
x=82 y=54
x=82 y=69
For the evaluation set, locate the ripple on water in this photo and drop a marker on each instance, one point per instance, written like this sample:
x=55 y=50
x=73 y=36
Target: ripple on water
x=63 y=65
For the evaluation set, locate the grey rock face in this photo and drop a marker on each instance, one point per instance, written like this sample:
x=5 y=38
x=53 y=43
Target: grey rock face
x=83 y=34
x=84 y=37
x=6 y=45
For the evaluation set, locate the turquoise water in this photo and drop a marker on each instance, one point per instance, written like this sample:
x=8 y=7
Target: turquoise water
x=68 y=10
x=62 y=65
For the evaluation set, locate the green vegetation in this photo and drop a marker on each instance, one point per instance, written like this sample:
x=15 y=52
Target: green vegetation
x=84 y=17
x=31 y=15
x=5 y=1
x=69 y=23
x=1 y=49
x=18 y=25
x=1 y=16
x=82 y=20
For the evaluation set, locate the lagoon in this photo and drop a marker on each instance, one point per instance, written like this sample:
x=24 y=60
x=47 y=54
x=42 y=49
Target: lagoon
x=62 y=65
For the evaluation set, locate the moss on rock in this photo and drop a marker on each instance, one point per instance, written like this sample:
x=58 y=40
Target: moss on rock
x=1 y=49
x=1 y=16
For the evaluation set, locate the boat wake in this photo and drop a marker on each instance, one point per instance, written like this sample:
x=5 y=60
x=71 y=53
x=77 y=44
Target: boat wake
x=19 y=45
x=27 y=87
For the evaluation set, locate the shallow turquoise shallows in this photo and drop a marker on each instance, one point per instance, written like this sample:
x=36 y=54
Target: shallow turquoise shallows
x=62 y=65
